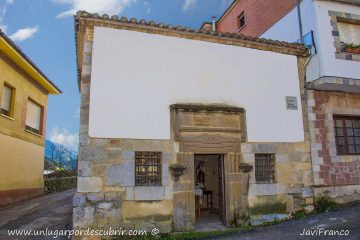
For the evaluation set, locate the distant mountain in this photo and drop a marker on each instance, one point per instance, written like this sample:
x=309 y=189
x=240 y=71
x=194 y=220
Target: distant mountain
x=60 y=155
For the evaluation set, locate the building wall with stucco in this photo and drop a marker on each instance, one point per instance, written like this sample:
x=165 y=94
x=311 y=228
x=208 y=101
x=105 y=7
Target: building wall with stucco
x=22 y=152
x=22 y=147
x=333 y=90
x=160 y=95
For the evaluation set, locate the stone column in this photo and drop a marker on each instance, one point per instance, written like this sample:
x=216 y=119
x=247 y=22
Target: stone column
x=183 y=198
x=233 y=187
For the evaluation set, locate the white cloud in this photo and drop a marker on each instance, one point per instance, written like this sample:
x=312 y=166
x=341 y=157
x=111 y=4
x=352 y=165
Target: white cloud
x=3 y=10
x=188 y=4
x=62 y=136
x=110 y=7
x=77 y=113
x=147 y=5
x=3 y=28
x=24 y=33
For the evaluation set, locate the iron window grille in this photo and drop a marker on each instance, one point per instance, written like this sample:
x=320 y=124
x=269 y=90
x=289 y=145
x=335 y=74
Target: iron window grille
x=265 y=168
x=148 y=168
x=347 y=135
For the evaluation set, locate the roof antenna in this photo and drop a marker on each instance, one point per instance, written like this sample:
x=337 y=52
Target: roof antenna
x=213 y=23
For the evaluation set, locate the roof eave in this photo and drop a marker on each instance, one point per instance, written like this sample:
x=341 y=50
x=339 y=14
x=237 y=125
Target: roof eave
x=19 y=58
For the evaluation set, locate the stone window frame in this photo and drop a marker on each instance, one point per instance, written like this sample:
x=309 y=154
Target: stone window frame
x=335 y=16
x=343 y=119
x=331 y=142
x=148 y=156
x=271 y=168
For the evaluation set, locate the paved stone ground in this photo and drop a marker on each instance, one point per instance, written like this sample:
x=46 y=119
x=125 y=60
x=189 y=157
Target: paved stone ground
x=52 y=211
x=208 y=222
x=347 y=218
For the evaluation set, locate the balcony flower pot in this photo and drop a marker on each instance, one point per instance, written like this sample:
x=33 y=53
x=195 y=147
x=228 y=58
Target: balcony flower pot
x=177 y=170
x=355 y=50
x=350 y=48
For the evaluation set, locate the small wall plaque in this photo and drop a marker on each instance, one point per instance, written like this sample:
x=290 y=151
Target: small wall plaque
x=291 y=103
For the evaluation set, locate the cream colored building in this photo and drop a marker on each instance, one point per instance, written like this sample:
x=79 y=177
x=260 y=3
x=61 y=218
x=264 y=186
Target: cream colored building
x=24 y=91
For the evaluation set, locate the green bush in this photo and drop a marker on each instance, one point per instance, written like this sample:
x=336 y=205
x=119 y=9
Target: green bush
x=59 y=184
x=324 y=204
x=299 y=214
x=61 y=174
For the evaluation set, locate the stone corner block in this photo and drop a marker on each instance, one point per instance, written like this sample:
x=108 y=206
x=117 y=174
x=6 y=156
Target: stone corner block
x=89 y=184
x=79 y=200
x=121 y=174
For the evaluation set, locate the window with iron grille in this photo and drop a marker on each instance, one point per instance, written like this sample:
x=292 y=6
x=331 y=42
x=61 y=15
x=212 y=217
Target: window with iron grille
x=148 y=168
x=347 y=135
x=265 y=168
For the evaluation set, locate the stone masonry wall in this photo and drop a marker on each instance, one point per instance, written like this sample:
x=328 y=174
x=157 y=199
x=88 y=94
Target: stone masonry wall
x=107 y=195
x=291 y=190
x=329 y=168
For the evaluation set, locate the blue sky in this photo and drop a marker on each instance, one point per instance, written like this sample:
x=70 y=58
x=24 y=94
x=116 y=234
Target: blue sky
x=44 y=30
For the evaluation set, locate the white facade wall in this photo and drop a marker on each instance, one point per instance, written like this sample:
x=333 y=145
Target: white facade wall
x=330 y=66
x=137 y=76
x=315 y=16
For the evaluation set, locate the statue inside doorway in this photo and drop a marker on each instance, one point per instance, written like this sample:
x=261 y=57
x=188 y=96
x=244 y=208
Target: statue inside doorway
x=200 y=175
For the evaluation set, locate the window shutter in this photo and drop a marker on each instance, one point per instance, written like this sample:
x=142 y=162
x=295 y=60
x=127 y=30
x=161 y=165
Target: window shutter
x=6 y=98
x=349 y=33
x=33 y=115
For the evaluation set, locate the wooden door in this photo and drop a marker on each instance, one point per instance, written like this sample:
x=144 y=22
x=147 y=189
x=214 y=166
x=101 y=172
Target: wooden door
x=221 y=181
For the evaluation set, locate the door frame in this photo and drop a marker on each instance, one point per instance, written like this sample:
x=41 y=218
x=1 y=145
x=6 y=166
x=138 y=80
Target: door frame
x=223 y=191
x=202 y=136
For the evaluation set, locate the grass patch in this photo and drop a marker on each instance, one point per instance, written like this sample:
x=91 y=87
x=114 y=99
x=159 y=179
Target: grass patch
x=187 y=235
x=324 y=204
x=299 y=214
x=268 y=208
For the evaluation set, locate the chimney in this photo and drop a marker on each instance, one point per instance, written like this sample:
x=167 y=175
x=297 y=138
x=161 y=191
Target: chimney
x=213 y=23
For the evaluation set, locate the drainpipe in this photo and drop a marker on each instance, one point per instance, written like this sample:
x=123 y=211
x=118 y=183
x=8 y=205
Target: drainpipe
x=213 y=23
x=300 y=22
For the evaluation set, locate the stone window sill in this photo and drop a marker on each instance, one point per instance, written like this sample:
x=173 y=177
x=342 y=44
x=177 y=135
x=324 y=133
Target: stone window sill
x=347 y=56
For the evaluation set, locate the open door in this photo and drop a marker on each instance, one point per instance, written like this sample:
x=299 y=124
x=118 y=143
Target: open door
x=222 y=207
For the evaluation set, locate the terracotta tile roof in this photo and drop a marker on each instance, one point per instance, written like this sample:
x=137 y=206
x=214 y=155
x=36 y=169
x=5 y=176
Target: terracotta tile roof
x=23 y=55
x=84 y=14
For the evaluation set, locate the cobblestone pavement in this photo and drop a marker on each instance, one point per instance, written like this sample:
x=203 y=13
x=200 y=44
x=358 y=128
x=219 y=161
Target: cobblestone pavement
x=53 y=212
x=347 y=218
